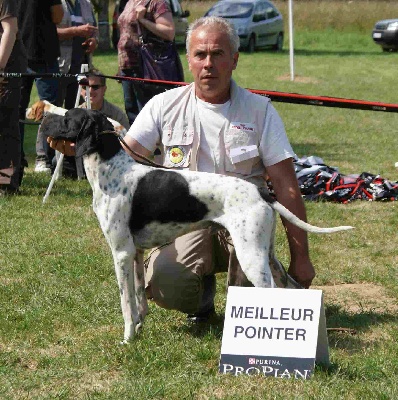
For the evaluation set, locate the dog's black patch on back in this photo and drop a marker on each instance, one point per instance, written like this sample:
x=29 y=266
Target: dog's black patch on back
x=164 y=196
x=266 y=196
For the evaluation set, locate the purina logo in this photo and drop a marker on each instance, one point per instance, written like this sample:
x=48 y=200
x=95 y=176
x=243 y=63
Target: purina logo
x=258 y=361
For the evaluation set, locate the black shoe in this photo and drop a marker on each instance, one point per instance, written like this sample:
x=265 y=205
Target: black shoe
x=206 y=309
x=202 y=316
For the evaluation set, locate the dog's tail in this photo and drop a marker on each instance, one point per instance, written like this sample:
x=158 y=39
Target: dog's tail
x=288 y=215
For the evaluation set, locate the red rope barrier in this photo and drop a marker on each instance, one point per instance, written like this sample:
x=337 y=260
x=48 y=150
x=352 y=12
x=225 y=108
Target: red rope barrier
x=284 y=97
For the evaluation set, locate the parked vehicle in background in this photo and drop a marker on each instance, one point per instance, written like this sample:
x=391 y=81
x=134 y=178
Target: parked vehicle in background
x=179 y=17
x=258 y=22
x=385 y=33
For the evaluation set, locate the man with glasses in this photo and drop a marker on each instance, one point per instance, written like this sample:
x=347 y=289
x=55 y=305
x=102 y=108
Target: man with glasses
x=97 y=87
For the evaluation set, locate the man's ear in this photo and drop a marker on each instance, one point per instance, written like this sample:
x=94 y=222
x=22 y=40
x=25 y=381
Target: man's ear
x=189 y=64
x=236 y=58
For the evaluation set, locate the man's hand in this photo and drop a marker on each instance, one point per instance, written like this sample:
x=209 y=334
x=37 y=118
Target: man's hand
x=63 y=146
x=90 y=45
x=86 y=31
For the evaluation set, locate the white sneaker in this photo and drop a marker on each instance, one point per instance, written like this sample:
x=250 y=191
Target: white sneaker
x=41 y=167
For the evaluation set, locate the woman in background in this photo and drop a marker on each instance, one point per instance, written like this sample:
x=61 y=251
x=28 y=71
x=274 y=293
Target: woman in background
x=154 y=20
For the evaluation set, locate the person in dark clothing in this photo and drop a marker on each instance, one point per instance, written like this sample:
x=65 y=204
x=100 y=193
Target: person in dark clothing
x=39 y=33
x=12 y=59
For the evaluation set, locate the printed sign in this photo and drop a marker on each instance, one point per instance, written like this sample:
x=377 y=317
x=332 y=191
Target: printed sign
x=273 y=332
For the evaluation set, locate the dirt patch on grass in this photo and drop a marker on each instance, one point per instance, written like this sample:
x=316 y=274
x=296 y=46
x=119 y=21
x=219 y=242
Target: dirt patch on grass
x=297 y=78
x=363 y=297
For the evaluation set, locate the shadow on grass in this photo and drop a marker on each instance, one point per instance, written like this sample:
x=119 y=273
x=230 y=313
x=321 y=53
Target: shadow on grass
x=360 y=323
x=214 y=327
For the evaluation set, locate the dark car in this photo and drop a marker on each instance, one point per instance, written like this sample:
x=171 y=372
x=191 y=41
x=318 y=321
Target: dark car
x=385 y=33
x=179 y=18
x=257 y=22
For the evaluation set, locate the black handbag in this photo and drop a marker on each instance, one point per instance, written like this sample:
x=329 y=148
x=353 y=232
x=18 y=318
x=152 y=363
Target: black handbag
x=159 y=58
x=161 y=61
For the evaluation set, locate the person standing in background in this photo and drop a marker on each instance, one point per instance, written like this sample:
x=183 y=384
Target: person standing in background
x=42 y=45
x=155 y=18
x=12 y=59
x=78 y=37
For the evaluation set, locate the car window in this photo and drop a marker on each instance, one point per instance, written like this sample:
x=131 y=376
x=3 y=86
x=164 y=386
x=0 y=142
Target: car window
x=175 y=7
x=231 y=10
x=259 y=13
x=271 y=11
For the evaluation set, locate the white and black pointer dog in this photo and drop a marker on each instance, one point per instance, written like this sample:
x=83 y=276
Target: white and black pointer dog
x=140 y=207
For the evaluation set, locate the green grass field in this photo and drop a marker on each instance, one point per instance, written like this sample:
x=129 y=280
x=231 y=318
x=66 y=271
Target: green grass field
x=60 y=318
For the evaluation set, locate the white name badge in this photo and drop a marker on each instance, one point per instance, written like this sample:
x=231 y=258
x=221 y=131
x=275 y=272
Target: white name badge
x=243 y=153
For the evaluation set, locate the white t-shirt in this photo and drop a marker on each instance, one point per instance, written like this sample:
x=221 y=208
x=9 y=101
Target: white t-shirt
x=212 y=119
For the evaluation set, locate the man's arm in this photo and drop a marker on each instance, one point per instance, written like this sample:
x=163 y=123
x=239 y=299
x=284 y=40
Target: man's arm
x=68 y=148
x=57 y=13
x=136 y=147
x=10 y=29
x=284 y=183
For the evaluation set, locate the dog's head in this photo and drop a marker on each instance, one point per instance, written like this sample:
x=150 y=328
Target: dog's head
x=85 y=128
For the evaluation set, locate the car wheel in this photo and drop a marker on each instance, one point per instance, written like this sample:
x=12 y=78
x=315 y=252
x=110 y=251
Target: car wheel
x=279 y=43
x=251 y=45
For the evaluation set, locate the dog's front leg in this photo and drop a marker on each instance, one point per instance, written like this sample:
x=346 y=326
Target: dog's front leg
x=124 y=259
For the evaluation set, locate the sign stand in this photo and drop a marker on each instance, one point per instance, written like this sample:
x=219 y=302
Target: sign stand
x=274 y=332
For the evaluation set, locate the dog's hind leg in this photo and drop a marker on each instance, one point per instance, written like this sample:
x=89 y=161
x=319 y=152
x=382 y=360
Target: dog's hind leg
x=139 y=281
x=251 y=231
x=281 y=277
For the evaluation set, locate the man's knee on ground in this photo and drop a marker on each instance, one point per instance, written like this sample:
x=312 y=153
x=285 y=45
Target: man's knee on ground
x=177 y=288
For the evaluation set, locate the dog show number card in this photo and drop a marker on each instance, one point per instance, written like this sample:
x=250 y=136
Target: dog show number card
x=273 y=332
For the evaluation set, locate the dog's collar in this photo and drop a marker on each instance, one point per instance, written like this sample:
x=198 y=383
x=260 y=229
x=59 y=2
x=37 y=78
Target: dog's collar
x=142 y=157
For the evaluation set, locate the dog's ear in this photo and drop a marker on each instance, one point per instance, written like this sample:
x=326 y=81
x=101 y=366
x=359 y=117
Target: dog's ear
x=64 y=127
x=91 y=137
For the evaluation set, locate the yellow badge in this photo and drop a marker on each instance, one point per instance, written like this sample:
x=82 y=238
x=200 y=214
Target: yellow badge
x=177 y=155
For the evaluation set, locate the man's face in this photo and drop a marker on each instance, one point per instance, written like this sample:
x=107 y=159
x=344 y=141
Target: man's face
x=97 y=92
x=211 y=62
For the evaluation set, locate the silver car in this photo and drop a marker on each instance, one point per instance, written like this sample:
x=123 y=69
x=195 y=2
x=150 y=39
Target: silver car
x=257 y=22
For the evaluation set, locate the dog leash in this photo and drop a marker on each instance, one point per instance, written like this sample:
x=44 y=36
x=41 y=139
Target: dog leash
x=142 y=157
